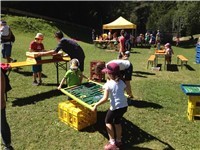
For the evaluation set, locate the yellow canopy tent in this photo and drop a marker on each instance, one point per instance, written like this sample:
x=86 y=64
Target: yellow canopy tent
x=119 y=23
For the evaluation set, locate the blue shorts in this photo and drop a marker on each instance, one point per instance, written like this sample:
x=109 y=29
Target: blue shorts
x=37 y=68
x=6 y=50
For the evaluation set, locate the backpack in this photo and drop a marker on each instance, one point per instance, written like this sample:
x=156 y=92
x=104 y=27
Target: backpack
x=4 y=68
x=9 y=38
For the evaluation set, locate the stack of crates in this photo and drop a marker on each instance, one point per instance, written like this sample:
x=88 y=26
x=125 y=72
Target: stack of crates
x=75 y=115
x=198 y=54
x=193 y=107
x=93 y=76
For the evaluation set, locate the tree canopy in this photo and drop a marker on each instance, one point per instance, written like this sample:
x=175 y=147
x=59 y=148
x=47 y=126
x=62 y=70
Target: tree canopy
x=167 y=16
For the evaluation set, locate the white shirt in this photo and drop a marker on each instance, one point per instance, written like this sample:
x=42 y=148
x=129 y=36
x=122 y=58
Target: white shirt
x=116 y=94
x=123 y=64
x=5 y=32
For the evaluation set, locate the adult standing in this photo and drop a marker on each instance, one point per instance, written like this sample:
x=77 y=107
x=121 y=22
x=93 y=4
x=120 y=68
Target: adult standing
x=126 y=69
x=121 y=44
x=5 y=128
x=158 y=37
x=7 y=39
x=70 y=47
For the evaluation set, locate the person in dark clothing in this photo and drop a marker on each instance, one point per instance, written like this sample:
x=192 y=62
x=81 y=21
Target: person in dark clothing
x=5 y=128
x=71 y=47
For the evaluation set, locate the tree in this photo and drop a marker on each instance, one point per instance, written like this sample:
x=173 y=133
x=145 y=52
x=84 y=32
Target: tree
x=186 y=18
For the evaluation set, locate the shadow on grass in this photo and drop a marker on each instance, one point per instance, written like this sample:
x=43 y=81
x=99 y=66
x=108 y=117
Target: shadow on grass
x=134 y=52
x=27 y=73
x=52 y=84
x=189 y=67
x=172 y=67
x=132 y=135
x=142 y=74
x=36 y=98
x=143 y=104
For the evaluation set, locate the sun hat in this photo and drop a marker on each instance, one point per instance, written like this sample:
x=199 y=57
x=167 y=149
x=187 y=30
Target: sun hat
x=111 y=68
x=39 y=36
x=167 y=45
x=74 y=64
x=127 y=53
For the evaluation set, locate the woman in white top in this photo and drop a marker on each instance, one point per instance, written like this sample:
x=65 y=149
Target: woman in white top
x=126 y=69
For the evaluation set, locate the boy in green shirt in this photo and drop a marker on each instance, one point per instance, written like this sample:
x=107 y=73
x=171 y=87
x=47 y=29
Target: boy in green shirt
x=73 y=76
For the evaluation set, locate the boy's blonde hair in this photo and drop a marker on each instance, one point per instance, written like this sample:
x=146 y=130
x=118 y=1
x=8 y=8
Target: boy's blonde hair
x=74 y=64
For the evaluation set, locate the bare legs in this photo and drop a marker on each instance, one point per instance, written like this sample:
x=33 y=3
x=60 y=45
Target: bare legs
x=110 y=130
x=128 y=89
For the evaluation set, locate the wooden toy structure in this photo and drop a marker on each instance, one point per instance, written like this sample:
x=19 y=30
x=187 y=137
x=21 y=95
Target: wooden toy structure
x=86 y=94
x=93 y=76
x=193 y=91
x=31 y=60
x=77 y=113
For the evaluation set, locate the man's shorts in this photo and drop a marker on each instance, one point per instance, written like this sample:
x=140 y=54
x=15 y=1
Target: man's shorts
x=127 y=73
x=6 y=50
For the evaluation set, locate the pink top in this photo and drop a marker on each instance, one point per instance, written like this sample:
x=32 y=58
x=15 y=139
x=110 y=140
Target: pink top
x=122 y=42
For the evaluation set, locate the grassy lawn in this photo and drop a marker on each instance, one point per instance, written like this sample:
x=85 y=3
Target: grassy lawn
x=156 y=118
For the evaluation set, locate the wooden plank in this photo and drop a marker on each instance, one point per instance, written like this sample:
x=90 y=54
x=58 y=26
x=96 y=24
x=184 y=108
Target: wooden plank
x=32 y=61
x=35 y=54
x=159 y=51
x=152 y=58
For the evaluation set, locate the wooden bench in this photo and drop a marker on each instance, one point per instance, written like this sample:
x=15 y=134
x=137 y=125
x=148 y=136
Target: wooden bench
x=151 y=61
x=183 y=60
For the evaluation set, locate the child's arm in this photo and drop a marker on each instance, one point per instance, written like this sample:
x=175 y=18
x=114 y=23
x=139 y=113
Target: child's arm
x=102 y=100
x=61 y=83
x=31 y=50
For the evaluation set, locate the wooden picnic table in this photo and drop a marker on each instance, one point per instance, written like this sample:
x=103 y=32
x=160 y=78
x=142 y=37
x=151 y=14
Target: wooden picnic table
x=56 y=58
x=104 y=44
x=160 y=54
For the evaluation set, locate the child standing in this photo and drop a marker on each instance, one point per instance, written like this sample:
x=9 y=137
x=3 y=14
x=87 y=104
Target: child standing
x=73 y=76
x=168 y=53
x=37 y=46
x=114 y=88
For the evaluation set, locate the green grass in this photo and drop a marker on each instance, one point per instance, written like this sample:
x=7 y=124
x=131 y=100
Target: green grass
x=156 y=118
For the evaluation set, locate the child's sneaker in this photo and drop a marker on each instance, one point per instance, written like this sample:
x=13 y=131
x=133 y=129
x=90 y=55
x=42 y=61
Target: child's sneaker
x=35 y=83
x=119 y=144
x=13 y=60
x=8 y=148
x=130 y=96
x=110 y=147
x=40 y=82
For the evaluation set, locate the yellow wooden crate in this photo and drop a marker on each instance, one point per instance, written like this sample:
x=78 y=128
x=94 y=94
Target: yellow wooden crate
x=193 y=112
x=76 y=115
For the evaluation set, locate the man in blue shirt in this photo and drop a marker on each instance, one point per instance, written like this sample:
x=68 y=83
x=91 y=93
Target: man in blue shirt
x=68 y=46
